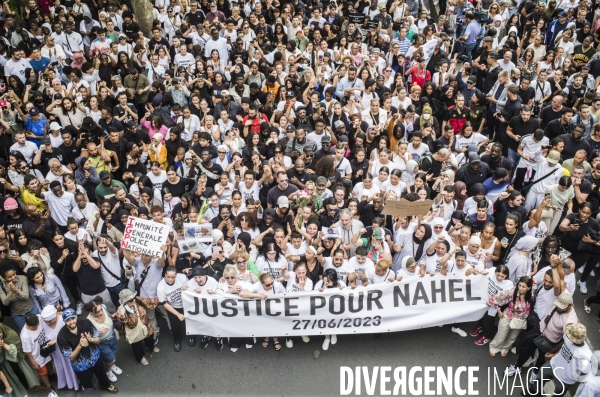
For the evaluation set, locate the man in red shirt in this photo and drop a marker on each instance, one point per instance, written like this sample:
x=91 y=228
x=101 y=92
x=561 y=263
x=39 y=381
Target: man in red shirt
x=252 y=121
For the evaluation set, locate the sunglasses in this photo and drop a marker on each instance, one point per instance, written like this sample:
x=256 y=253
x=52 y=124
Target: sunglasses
x=226 y=152
x=278 y=151
x=284 y=180
x=268 y=285
x=3 y=252
x=241 y=262
x=230 y=278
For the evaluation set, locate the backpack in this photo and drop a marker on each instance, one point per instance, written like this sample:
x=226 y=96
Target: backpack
x=166 y=118
x=423 y=157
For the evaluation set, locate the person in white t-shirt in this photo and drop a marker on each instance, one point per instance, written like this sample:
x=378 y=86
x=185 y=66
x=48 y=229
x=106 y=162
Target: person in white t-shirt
x=265 y=287
x=202 y=284
x=32 y=340
x=498 y=281
x=361 y=264
x=61 y=203
x=569 y=365
x=330 y=280
x=408 y=269
x=169 y=292
x=381 y=273
x=298 y=281
x=337 y=262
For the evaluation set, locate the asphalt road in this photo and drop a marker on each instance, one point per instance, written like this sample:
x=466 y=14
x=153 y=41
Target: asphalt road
x=306 y=369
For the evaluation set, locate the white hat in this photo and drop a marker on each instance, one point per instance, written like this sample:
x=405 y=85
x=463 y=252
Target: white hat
x=48 y=313
x=55 y=126
x=283 y=202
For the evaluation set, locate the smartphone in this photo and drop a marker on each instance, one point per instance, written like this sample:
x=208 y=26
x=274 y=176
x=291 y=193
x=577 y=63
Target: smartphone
x=504 y=240
x=12 y=252
x=576 y=222
x=237 y=172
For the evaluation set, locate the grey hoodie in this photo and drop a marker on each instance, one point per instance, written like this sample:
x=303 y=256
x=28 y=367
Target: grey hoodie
x=80 y=178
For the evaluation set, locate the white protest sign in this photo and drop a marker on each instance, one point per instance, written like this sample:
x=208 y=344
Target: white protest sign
x=191 y=245
x=145 y=236
x=330 y=232
x=198 y=231
x=388 y=307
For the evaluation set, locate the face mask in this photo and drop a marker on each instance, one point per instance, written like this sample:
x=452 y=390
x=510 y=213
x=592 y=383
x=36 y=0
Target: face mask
x=128 y=309
x=426 y=116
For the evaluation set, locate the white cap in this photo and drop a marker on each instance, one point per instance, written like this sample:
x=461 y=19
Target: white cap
x=55 y=126
x=283 y=202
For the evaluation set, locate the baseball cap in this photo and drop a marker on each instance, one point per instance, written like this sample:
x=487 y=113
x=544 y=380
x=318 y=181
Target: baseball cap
x=321 y=181
x=34 y=112
x=290 y=128
x=104 y=175
x=308 y=150
x=290 y=94
x=68 y=314
x=472 y=79
x=283 y=202
x=562 y=14
x=326 y=139
x=563 y=301
x=378 y=233
x=88 y=124
x=224 y=93
x=553 y=157
x=339 y=124
x=585 y=66
x=46 y=141
x=474 y=158
x=54 y=126
x=10 y=204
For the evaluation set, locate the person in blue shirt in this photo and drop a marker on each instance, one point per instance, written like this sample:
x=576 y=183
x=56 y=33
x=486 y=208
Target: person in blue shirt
x=554 y=28
x=496 y=184
x=38 y=63
x=35 y=125
x=469 y=38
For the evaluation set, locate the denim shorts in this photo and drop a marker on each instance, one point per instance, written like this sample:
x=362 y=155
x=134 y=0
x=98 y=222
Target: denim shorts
x=108 y=349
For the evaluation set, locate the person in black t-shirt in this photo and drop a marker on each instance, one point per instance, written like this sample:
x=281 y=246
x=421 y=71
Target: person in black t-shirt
x=69 y=147
x=298 y=175
x=130 y=28
x=495 y=159
x=46 y=153
x=526 y=92
x=157 y=41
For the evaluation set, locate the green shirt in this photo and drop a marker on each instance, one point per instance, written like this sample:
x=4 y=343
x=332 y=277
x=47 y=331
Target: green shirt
x=138 y=84
x=102 y=191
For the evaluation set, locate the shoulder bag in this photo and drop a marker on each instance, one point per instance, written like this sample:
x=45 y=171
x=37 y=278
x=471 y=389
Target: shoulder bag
x=139 y=332
x=525 y=189
x=121 y=279
x=541 y=341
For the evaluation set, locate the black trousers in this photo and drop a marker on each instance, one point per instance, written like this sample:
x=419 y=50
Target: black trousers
x=488 y=323
x=594 y=299
x=138 y=347
x=589 y=266
x=85 y=377
x=520 y=177
x=528 y=349
x=237 y=342
x=72 y=283
x=177 y=326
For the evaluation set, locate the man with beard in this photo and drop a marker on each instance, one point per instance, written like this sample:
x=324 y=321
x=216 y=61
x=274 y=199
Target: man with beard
x=69 y=147
x=78 y=341
x=212 y=170
x=296 y=146
x=325 y=149
x=283 y=216
x=101 y=158
x=39 y=225
x=298 y=175
x=252 y=121
x=473 y=172
x=107 y=187
x=370 y=208
x=232 y=108
x=117 y=145
x=46 y=153
x=495 y=159
x=303 y=122
x=329 y=217
x=135 y=134
x=283 y=188
x=574 y=142
x=60 y=203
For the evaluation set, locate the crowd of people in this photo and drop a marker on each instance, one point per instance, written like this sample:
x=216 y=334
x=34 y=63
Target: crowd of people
x=284 y=128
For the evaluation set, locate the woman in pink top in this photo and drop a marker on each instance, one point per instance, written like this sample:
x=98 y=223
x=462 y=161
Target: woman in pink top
x=155 y=125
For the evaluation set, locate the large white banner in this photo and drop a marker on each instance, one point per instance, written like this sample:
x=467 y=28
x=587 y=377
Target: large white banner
x=398 y=306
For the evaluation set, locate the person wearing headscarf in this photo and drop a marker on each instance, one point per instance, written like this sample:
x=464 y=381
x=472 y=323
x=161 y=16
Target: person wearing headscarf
x=117 y=229
x=408 y=176
x=414 y=245
x=437 y=231
x=460 y=194
x=97 y=222
x=243 y=245
x=518 y=261
x=14 y=363
x=52 y=323
x=475 y=256
x=219 y=239
x=86 y=176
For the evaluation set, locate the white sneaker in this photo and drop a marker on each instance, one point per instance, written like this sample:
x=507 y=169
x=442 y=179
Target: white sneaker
x=305 y=339
x=79 y=308
x=249 y=346
x=510 y=371
x=534 y=377
x=144 y=361
x=111 y=377
x=156 y=349
x=580 y=270
x=582 y=287
x=513 y=350
x=459 y=331
x=333 y=339
x=325 y=344
x=233 y=349
x=593 y=274
x=289 y=343
x=116 y=370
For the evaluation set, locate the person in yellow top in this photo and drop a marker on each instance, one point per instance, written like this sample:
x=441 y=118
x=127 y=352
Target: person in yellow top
x=101 y=158
x=158 y=152
x=271 y=86
x=27 y=191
